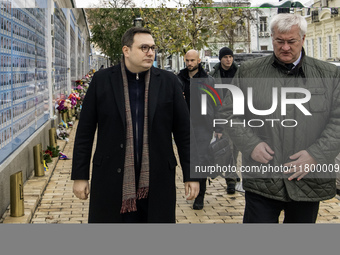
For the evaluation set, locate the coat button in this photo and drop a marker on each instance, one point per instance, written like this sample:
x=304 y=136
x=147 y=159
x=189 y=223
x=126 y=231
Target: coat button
x=119 y=170
x=107 y=157
x=121 y=145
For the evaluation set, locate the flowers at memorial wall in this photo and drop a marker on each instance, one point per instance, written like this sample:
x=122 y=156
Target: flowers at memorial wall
x=74 y=98
x=61 y=106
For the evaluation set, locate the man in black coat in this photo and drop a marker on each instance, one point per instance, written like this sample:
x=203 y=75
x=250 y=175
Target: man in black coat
x=202 y=126
x=224 y=72
x=135 y=109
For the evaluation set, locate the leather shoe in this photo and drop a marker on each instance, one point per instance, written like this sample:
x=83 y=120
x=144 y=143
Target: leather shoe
x=199 y=203
x=231 y=188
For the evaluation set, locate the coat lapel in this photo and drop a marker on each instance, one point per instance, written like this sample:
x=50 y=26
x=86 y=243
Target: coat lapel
x=153 y=94
x=118 y=91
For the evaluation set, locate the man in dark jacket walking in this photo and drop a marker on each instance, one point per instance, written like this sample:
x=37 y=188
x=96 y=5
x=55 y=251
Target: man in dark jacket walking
x=224 y=72
x=282 y=153
x=202 y=127
x=227 y=67
x=136 y=109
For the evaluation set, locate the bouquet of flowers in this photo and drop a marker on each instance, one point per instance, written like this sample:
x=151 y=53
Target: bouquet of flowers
x=80 y=91
x=63 y=105
x=48 y=156
x=62 y=133
x=53 y=151
x=74 y=99
x=81 y=87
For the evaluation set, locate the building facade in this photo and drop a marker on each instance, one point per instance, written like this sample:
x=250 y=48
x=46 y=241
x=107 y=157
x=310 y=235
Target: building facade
x=323 y=33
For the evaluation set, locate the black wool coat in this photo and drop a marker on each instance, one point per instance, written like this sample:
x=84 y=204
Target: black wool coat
x=104 y=109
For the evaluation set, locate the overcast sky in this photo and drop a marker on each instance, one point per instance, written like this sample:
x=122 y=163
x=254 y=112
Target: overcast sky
x=140 y=3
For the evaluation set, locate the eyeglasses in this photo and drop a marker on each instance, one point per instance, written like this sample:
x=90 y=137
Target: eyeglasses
x=289 y=42
x=145 y=48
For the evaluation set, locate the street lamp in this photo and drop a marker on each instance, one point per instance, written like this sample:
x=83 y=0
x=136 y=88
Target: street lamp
x=138 y=22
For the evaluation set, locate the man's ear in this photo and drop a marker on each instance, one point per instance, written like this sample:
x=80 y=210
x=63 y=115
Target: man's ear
x=126 y=51
x=199 y=61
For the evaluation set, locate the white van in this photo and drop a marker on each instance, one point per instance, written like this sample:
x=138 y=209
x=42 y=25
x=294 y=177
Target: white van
x=209 y=62
x=335 y=63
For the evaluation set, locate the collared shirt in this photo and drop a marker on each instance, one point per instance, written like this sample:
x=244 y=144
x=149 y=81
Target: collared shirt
x=297 y=61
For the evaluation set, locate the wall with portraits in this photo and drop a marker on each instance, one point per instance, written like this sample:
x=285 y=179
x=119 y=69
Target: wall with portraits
x=41 y=42
x=23 y=75
x=27 y=94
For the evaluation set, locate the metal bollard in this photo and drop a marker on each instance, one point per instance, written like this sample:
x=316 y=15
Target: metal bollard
x=53 y=137
x=69 y=113
x=17 y=195
x=64 y=117
x=38 y=161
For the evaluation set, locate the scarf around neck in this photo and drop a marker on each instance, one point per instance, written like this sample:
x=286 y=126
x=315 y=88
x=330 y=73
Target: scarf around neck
x=129 y=194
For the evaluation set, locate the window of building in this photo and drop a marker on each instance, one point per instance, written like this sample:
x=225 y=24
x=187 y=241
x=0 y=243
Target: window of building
x=329 y=46
x=338 y=45
x=263 y=24
x=312 y=48
x=264 y=47
x=240 y=28
x=320 y=47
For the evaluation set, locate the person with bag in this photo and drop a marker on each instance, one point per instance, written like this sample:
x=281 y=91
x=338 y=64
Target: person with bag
x=224 y=73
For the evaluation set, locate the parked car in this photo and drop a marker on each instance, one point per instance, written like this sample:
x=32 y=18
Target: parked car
x=168 y=68
x=335 y=63
x=209 y=62
x=241 y=57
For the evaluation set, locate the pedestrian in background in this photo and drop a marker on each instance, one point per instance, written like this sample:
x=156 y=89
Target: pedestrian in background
x=224 y=73
x=201 y=125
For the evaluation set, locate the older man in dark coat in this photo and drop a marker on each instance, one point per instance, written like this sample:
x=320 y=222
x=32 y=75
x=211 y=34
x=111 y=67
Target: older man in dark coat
x=136 y=109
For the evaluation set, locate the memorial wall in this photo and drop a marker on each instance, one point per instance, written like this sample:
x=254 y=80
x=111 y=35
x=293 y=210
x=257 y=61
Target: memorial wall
x=44 y=49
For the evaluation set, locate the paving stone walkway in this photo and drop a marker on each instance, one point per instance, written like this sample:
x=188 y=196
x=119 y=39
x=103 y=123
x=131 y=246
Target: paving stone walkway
x=59 y=205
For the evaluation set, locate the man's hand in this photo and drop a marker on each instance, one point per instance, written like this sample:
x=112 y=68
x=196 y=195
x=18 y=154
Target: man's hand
x=298 y=167
x=81 y=189
x=191 y=189
x=262 y=153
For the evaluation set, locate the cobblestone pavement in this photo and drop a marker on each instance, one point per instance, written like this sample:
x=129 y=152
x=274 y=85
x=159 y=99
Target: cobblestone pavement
x=59 y=205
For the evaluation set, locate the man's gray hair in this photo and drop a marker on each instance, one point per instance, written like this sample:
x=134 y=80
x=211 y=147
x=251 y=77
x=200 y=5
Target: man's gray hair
x=283 y=23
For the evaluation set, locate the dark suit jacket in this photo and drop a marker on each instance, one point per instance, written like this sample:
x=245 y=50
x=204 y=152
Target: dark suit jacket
x=104 y=108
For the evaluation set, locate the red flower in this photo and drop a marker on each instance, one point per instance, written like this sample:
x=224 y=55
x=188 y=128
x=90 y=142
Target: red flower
x=48 y=152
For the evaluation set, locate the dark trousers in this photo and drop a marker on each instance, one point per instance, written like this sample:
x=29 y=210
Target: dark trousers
x=203 y=187
x=231 y=178
x=140 y=216
x=260 y=209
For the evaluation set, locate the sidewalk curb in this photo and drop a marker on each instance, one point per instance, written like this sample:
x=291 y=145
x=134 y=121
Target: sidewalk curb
x=34 y=189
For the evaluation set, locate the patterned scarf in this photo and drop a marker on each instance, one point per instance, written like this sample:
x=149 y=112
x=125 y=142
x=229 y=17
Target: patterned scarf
x=129 y=186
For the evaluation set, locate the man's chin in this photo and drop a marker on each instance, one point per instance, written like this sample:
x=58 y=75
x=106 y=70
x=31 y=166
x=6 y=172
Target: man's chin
x=287 y=59
x=192 y=69
x=147 y=67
